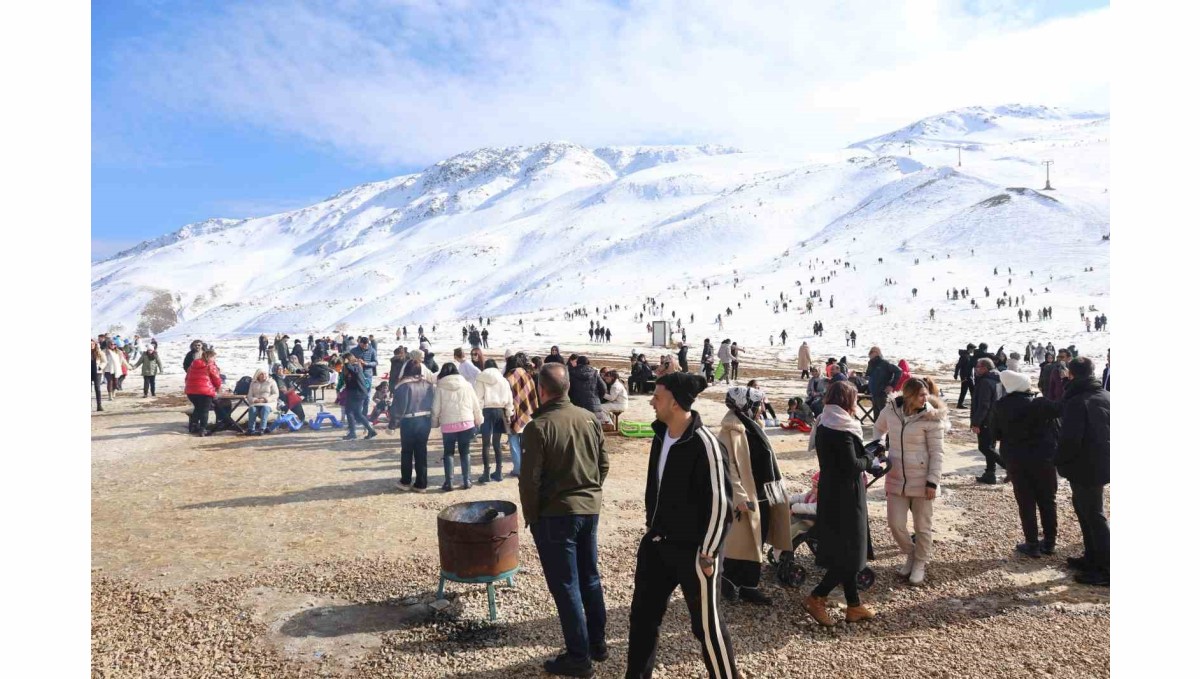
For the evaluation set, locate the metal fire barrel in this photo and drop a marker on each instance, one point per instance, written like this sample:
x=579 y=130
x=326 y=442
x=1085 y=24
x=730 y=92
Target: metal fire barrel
x=475 y=542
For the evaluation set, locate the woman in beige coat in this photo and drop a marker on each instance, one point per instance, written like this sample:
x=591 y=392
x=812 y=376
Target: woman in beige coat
x=745 y=442
x=915 y=424
x=804 y=361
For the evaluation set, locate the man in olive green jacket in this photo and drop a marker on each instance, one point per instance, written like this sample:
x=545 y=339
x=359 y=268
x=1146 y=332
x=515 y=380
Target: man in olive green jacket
x=563 y=467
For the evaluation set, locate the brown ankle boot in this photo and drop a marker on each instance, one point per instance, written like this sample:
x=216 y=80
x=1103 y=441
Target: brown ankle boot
x=859 y=613
x=815 y=606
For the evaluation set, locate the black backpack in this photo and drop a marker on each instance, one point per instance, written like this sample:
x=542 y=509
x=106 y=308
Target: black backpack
x=243 y=386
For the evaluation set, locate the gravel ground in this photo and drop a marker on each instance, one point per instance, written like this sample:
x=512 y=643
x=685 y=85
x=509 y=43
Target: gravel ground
x=290 y=556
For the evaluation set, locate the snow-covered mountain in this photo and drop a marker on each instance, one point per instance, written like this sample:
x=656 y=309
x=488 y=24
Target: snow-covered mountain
x=523 y=229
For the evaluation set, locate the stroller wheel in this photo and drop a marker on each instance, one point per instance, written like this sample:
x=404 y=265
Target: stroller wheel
x=789 y=573
x=866 y=578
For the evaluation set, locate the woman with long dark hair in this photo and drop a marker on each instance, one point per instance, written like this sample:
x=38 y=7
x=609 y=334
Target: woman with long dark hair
x=841 y=528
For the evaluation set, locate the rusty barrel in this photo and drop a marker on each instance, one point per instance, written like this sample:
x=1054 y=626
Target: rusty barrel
x=474 y=541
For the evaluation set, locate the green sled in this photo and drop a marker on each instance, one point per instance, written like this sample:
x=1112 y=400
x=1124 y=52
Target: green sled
x=636 y=430
x=720 y=372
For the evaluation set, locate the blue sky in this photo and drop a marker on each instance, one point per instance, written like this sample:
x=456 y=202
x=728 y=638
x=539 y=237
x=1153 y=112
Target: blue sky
x=212 y=109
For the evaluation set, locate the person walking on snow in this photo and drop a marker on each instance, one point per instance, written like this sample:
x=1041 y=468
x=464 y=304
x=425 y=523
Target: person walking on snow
x=804 y=360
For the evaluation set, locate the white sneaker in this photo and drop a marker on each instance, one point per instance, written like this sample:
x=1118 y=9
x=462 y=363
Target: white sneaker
x=907 y=567
x=918 y=573
x=404 y=487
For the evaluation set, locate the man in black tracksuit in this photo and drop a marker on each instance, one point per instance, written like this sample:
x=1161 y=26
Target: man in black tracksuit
x=689 y=508
x=964 y=372
x=988 y=392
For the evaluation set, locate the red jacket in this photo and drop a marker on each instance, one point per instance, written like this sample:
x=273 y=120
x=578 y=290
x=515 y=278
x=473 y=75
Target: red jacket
x=904 y=374
x=203 y=378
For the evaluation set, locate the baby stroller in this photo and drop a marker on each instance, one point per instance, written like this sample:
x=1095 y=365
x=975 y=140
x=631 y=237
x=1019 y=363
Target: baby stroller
x=788 y=571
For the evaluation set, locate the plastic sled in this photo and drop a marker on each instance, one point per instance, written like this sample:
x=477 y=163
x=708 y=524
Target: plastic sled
x=636 y=430
x=289 y=420
x=719 y=373
x=323 y=417
x=797 y=425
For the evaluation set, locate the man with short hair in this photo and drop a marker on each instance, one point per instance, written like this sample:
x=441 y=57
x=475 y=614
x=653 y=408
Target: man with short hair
x=689 y=508
x=466 y=368
x=964 y=371
x=988 y=392
x=365 y=353
x=881 y=376
x=560 y=484
x=1082 y=459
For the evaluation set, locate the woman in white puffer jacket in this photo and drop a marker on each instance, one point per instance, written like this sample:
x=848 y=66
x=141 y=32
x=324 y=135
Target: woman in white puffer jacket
x=456 y=411
x=496 y=401
x=915 y=423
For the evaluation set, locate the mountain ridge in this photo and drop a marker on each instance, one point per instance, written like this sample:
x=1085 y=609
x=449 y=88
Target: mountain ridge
x=521 y=228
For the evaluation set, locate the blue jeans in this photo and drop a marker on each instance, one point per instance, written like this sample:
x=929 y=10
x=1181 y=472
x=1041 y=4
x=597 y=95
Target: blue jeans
x=414 y=449
x=260 y=410
x=356 y=407
x=514 y=444
x=567 y=549
x=492 y=429
x=463 y=440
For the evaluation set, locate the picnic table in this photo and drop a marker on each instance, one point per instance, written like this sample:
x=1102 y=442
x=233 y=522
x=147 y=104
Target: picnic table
x=233 y=402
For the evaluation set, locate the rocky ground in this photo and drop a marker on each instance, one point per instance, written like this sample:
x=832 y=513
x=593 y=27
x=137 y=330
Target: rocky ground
x=291 y=555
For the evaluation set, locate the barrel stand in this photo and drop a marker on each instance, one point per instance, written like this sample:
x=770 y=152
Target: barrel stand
x=507 y=576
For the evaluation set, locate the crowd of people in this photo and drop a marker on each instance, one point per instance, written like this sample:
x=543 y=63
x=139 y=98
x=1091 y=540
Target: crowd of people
x=113 y=357
x=715 y=498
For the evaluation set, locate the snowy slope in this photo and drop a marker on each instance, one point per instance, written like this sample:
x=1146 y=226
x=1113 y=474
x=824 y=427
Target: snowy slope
x=525 y=232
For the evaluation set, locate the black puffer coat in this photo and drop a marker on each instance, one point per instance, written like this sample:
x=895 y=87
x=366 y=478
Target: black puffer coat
x=1026 y=427
x=988 y=391
x=841 y=528
x=587 y=390
x=1084 y=439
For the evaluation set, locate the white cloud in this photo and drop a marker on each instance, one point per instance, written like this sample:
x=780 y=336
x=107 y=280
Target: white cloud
x=412 y=82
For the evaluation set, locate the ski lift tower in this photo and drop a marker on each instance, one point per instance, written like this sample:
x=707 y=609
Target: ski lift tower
x=1048 y=163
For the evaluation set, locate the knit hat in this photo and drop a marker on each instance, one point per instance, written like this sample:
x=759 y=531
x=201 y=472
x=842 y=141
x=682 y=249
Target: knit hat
x=1014 y=381
x=685 y=387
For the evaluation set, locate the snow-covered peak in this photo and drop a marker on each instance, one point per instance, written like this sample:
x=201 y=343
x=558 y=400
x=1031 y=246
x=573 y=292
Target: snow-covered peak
x=629 y=159
x=193 y=230
x=529 y=229
x=979 y=125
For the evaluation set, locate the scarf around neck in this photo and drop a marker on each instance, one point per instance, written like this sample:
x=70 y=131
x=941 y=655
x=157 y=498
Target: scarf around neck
x=763 y=464
x=835 y=417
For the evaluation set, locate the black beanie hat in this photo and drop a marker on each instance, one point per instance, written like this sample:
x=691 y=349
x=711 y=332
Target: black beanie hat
x=684 y=387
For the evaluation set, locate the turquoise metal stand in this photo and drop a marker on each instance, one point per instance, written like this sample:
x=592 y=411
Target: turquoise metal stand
x=507 y=576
